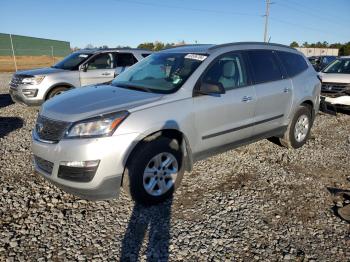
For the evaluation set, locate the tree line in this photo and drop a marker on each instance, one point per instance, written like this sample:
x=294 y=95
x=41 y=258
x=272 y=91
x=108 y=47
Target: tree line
x=344 y=49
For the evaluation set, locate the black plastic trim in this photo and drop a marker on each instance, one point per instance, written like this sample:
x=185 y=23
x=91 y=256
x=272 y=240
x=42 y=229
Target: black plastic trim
x=241 y=127
x=278 y=132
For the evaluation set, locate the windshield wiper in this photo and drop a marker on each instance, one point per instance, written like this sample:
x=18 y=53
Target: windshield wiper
x=133 y=87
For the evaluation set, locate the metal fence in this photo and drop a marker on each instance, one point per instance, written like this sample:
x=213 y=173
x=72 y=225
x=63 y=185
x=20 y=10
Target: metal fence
x=22 y=52
x=19 y=59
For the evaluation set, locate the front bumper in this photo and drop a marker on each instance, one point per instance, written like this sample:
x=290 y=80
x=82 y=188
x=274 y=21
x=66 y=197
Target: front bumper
x=111 y=151
x=341 y=100
x=18 y=97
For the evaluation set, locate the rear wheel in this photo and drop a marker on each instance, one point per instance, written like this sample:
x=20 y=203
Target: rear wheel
x=154 y=171
x=56 y=91
x=298 y=130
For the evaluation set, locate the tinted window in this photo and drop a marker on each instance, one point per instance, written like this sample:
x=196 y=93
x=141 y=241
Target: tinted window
x=265 y=66
x=293 y=63
x=125 y=59
x=229 y=71
x=101 y=61
x=72 y=61
x=145 y=55
x=339 y=66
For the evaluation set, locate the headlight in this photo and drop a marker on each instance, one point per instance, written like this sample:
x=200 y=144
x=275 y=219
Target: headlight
x=35 y=80
x=97 y=127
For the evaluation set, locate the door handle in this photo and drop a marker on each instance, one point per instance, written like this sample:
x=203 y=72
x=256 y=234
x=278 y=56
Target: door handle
x=286 y=90
x=247 y=99
x=106 y=74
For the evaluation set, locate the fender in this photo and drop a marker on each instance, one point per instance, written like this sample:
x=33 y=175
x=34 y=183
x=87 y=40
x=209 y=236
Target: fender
x=70 y=86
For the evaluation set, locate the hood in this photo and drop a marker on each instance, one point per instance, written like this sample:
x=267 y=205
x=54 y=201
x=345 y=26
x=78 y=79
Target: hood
x=40 y=71
x=90 y=101
x=335 y=78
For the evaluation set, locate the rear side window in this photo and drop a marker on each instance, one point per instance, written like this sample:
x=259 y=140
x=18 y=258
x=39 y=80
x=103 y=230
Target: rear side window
x=145 y=55
x=293 y=63
x=125 y=59
x=265 y=66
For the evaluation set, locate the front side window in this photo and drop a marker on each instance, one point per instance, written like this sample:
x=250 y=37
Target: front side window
x=293 y=63
x=160 y=72
x=339 y=66
x=72 y=62
x=265 y=66
x=229 y=71
x=125 y=59
x=101 y=61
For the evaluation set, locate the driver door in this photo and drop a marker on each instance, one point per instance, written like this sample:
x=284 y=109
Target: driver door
x=227 y=118
x=99 y=69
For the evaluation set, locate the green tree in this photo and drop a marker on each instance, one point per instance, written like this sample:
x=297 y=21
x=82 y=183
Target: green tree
x=147 y=45
x=294 y=44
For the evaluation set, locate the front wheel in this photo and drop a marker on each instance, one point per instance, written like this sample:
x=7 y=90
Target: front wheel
x=298 y=130
x=154 y=171
x=56 y=91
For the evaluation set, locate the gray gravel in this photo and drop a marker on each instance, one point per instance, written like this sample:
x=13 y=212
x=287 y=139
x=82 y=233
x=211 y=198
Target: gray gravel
x=259 y=202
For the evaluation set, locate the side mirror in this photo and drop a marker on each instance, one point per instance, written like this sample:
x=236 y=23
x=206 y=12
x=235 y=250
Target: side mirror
x=211 y=89
x=83 y=68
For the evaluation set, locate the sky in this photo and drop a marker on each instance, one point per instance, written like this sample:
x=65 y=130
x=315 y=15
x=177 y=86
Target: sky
x=131 y=22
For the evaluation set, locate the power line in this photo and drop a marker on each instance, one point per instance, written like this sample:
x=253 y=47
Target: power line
x=314 y=9
x=289 y=6
x=189 y=8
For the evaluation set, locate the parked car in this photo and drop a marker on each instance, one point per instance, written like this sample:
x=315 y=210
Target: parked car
x=320 y=62
x=84 y=67
x=336 y=83
x=173 y=108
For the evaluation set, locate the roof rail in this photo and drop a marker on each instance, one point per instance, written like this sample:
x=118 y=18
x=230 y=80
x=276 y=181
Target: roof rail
x=249 y=43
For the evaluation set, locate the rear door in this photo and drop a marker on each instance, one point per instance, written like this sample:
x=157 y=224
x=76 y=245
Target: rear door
x=99 y=69
x=273 y=90
x=226 y=118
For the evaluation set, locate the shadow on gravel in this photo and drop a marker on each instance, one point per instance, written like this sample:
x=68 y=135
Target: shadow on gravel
x=5 y=100
x=9 y=124
x=155 y=219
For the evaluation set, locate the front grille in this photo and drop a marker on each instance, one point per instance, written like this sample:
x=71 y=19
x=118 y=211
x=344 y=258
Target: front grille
x=335 y=87
x=50 y=130
x=43 y=164
x=17 y=80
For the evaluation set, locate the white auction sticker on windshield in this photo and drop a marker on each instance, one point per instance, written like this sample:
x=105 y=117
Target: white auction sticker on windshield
x=196 y=57
x=83 y=55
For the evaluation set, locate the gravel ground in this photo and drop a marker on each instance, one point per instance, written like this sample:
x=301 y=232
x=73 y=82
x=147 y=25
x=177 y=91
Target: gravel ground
x=259 y=202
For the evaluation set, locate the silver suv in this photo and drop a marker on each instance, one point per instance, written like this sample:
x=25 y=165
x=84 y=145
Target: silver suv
x=84 y=67
x=149 y=126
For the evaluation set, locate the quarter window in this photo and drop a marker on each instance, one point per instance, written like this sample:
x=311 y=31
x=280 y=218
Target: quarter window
x=265 y=66
x=125 y=59
x=293 y=63
x=229 y=71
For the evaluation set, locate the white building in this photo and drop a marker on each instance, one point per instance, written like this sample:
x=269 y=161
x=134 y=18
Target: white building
x=314 y=51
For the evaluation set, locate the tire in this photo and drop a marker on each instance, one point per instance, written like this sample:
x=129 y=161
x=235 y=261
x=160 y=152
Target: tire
x=299 y=128
x=56 y=91
x=142 y=179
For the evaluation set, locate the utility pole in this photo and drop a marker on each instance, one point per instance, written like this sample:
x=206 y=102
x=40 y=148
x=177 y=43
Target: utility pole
x=267 y=13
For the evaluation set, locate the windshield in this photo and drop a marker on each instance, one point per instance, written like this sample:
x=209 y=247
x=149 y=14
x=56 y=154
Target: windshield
x=339 y=66
x=72 y=61
x=160 y=72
